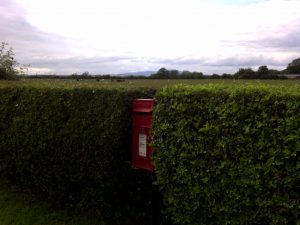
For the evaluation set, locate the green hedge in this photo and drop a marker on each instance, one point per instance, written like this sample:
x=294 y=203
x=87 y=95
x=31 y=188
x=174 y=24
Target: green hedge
x=71 y=144
x=229 y=155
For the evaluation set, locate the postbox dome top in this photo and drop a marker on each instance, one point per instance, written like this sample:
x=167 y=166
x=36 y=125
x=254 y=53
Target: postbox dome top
x=143 y=105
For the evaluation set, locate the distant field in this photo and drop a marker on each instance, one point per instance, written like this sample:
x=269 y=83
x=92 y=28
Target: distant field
x=132 y=83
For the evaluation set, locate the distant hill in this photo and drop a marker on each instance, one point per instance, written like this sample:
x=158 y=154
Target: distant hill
x=140 y=73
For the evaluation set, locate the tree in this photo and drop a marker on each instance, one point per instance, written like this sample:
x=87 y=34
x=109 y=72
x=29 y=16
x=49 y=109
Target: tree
x=226 y=76
x=173 y=74
x=186 y=74
x=7 y=62
x=293 y=67
x=163 y=73
x=8 y=65
x=196 y=75
x=215 y=76
x=262 y=71
x=245 y=73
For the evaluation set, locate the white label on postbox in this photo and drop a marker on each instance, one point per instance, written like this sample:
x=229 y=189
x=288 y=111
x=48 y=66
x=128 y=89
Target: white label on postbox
x=143 y=145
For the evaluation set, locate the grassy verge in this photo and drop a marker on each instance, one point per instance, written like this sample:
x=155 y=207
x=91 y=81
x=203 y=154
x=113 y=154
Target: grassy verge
x=19 y=208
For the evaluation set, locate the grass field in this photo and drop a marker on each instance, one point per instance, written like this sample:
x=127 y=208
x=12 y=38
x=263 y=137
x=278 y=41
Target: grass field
x=18 y=207
x=132 y=83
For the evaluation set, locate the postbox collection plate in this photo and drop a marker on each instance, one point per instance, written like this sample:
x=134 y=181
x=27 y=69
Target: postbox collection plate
x=142 y=145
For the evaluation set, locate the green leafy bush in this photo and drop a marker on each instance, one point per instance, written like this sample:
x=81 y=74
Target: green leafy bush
x=73 y=145
x=8 y=65
x=228 y=155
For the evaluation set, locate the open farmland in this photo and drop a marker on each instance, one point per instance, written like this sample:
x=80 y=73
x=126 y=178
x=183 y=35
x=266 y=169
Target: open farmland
x=134 y=83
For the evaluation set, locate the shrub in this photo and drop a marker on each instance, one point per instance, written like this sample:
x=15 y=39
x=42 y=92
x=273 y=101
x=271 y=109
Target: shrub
x=228 y=155
x=70 y=144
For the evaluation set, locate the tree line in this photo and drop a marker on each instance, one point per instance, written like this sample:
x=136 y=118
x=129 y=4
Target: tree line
x=263 y=72
x=10 y=69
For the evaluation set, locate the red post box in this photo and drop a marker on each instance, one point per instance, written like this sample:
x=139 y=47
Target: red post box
x=142 y=122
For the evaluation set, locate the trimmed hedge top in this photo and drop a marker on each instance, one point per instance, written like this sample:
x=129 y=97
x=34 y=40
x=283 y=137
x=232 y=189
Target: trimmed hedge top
x=229 y=155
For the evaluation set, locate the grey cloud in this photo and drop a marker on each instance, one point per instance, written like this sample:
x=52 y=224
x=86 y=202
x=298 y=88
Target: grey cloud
x=285 y=38
x=46 y=50
x=288 y=42
x=76 y=62
x=178 y=61
x=245 y=61
x=73 y=61
x=232 y=61
x=27 y=41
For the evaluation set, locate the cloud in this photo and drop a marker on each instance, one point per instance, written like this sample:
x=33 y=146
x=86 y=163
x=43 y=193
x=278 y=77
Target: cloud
x=230 y=61
x=52 y=53
x=180 y=61
x=70 y=65
x=28 y=42
x=111 y=36
x=245 y=61
x=240 y=2
x=284 y=38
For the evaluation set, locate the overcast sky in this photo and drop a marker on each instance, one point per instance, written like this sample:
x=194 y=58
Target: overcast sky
x=118 y=36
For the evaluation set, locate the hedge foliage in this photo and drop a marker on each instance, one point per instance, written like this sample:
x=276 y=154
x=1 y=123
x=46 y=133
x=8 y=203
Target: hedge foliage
x=71 y=144
x=229 y=155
